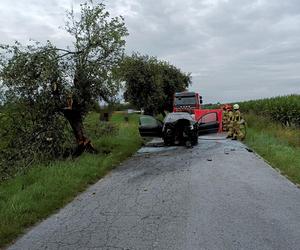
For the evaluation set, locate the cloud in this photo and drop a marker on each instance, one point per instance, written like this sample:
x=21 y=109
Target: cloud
x=235 y=49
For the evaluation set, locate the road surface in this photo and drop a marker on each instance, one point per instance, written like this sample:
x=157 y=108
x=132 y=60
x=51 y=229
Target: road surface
x=217 y=195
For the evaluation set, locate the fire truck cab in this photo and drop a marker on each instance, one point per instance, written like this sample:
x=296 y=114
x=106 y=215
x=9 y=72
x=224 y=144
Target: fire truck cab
x=187 y=102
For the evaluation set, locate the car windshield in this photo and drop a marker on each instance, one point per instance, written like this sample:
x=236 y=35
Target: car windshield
x=185 y=100
x=172 y=117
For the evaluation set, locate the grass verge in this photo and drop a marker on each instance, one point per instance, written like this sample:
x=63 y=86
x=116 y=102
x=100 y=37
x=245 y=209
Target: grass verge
x=27 y=198
x=278 y=145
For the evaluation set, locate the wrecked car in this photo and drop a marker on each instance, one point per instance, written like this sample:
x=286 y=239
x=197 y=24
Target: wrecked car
x=178 y=128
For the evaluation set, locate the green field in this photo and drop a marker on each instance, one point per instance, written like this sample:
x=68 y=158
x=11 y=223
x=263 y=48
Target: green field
x=282 y=109
x=30 y=197
x=273 y=132
x=279 y=145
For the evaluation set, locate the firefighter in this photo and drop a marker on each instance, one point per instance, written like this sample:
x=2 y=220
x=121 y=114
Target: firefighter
x=227 y=108
x=230 y=122
x=225 y=118
x=238 y=124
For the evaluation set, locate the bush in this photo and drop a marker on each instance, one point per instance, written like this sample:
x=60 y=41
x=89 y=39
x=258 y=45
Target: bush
x=29 y=137
x=25 y=142
x=96 y=129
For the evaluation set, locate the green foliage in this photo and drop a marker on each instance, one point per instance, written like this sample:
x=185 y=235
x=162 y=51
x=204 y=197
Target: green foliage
x=31 y=129
x=278 y=145
x=283 y=109
x=99 y=48
x=95 y=107
x=30 y=135
x=117 y=106
x=210 y=106
x=150 y=84
x=287 y=135
x=32 y=196
x=96 y=129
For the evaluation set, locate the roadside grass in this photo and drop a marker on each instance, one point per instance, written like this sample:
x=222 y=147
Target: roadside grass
x=28 y=198
x=280 y=146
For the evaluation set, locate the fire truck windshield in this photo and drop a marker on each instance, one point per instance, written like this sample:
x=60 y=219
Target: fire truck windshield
x=185 y=100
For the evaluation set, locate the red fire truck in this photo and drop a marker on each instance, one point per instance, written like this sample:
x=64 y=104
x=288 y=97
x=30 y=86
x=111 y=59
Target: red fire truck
x=191 y=102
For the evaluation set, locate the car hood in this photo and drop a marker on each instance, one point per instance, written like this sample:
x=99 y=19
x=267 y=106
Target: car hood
x=174 y=117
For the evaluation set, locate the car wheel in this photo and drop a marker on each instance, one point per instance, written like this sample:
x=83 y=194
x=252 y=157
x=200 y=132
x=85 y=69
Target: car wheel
x=195 y=140
x=168 y=141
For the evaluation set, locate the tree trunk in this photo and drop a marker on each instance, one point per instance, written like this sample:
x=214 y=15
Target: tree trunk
x=74 y=116
x=83 y=143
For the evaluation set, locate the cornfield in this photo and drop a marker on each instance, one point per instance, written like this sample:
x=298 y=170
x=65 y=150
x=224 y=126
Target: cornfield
x=283 y=109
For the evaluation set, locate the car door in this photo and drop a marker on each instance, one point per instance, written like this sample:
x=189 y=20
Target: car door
x=149 y=126
x=208 y=123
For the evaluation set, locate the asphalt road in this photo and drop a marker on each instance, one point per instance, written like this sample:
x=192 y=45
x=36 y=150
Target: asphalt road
x=216 y=195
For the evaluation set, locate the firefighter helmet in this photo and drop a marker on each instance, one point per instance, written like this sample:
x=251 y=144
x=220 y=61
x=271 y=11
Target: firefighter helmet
x=236 y=106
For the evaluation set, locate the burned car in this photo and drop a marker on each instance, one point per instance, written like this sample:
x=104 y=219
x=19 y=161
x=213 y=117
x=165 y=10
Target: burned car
x=178 y=128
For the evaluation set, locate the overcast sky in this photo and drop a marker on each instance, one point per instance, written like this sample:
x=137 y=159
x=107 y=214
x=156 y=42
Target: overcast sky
x=235 y=49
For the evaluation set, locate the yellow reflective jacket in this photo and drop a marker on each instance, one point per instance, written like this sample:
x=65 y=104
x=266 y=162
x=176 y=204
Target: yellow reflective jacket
x=230 y=116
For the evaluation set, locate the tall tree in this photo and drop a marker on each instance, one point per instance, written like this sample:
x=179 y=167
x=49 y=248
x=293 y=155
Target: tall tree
x=173 y=80
x=48 y=80
x=150 y=84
